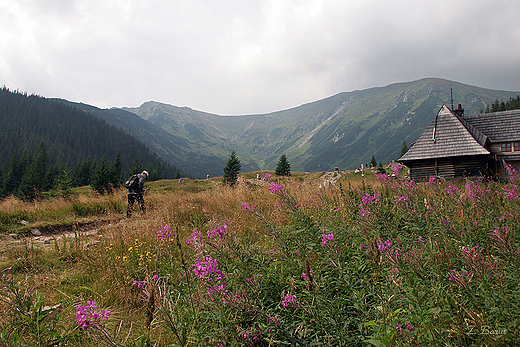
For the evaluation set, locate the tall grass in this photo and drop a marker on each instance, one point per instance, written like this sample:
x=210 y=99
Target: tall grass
x=293 y=262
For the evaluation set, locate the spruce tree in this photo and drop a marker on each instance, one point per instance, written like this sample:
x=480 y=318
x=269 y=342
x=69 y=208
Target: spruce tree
x=116 y=172
x=101 y=181
x=373 y=162
x=284 y=167
x=232 y=169
x=11 y=178
x=136 y=167
x=404 y=149
x=33 y=179
x=63 y=184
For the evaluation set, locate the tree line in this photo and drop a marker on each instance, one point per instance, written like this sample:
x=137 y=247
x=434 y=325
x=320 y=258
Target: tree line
x=27 y=177
x=497 y=106
x=43 y=142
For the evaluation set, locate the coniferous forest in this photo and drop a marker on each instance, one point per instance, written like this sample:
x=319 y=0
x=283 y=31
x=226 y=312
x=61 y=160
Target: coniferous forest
x=47 y=145
x=497 y=106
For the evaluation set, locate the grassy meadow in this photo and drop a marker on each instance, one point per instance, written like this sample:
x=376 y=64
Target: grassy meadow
x=369 y=260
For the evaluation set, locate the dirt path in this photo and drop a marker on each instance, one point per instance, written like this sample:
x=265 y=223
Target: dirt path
x=40 y=237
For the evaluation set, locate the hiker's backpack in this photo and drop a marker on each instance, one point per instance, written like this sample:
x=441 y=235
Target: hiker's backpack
x=132 y=183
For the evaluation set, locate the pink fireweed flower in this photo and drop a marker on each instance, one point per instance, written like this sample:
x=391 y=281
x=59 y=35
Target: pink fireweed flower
x=433 y=180
x=290 y=301
x=165 y=235
x=327 y=237
x=195 y=238
x=87 y=316
x=267 y=176
x=247 y=207
x=396 y=169
x=218 y=231
x=367 y=199
x=511 y=191
x=207 y=270
x=452 y=190
x=139 y=284
x=364 y=213
x=382 y=177
x=275 y=188
x=401 y=199
x=384 y=246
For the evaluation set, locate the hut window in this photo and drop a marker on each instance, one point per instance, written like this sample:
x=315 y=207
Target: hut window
x=517 y=146
x=506 y=147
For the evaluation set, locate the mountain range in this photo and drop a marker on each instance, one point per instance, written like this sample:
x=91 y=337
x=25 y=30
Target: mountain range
x=343 y=130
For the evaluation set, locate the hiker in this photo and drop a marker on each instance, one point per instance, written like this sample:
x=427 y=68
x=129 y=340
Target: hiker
x=135 y=192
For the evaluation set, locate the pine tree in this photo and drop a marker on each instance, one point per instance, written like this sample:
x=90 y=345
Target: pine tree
x=404 y=149
x=101 y=180
x=373 y=162
x=232 y=169
x=33 y=180
x=11 y=178
x=284 y=167
x=116 y=172
x=63 y=184
x=136 y=167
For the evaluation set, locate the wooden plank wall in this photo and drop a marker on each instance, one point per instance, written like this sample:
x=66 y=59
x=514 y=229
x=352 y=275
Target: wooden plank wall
x=447 y=168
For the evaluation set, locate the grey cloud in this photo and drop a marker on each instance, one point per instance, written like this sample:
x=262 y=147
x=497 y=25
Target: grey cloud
x=239 y=57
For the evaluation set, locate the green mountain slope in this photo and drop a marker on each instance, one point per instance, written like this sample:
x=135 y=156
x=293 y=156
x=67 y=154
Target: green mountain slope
x=70 y=135
x=344 y=130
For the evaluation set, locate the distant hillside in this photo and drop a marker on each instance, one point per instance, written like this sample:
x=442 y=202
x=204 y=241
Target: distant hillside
x=71 y=136
x=344 y=130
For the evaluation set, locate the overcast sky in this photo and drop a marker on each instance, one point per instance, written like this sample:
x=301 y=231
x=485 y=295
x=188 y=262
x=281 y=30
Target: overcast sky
x=251 y=56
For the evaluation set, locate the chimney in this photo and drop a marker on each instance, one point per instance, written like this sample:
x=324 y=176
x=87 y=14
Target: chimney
x=459 y=111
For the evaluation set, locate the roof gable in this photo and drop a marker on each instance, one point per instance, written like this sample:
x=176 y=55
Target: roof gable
x=447 y=136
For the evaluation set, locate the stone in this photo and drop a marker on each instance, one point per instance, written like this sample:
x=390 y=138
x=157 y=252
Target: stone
x=35 y=232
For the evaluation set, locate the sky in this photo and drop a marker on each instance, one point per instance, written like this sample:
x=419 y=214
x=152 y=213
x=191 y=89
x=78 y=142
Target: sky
x=251 y=56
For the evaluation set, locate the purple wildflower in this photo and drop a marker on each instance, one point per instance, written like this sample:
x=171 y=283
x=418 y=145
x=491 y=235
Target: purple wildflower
x=382 y=177
x=207 y=269
x=165 y=235
x=275 y=188
x=87 y=316
x=396 y=169
x=325 y=238
x=401 y=199
x=290 y=301
x=139 y=284
x=218 y=231
x=246 y=206
x=452 y=190
x=384 y=246
x=195 y=238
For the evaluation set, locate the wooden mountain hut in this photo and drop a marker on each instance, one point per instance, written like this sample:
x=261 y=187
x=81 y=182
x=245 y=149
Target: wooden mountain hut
x=454 y=146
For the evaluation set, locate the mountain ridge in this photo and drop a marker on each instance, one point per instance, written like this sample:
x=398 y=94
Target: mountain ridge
x=342 y=130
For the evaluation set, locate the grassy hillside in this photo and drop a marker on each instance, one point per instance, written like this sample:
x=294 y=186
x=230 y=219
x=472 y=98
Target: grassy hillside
x=344 y=130
x=333 y=260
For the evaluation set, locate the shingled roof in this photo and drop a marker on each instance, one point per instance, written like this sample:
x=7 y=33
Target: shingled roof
x=448 y=136
x=498 y=126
